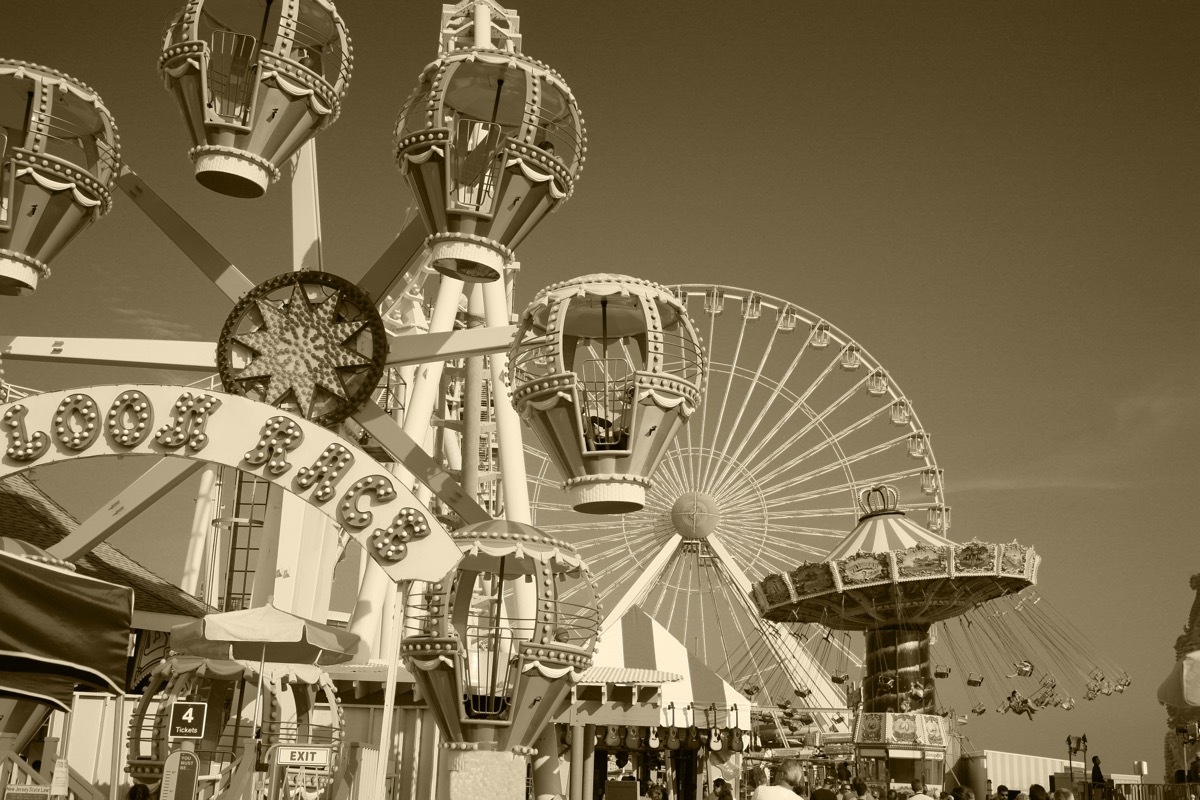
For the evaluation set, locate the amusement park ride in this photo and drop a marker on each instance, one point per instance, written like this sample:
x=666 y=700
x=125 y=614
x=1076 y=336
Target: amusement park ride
x=697 y=443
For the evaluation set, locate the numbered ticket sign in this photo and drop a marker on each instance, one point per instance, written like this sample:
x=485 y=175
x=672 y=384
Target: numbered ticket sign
x=187 y=721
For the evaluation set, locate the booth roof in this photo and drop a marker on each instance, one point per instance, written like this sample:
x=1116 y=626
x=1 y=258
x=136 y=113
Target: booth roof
x=637 y=641
x=28 y=514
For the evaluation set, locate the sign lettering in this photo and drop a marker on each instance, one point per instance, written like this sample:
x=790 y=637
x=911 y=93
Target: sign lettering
x=180 y=773
x=188 y=423
x=302 y=756
x=187 y=720
x=246 y=435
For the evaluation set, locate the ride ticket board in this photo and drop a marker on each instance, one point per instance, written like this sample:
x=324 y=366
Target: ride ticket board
x=187 y=721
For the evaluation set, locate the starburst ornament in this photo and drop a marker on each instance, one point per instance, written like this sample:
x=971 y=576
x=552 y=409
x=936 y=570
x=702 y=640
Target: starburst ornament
x=300 y=347
x=314 y=342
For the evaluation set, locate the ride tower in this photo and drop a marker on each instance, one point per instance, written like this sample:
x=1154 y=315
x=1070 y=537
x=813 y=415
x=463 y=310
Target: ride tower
x=892 y=580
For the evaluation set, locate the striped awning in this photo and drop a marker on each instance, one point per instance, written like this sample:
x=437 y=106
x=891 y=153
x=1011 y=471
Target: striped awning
x=636 y=641
x=880 y=533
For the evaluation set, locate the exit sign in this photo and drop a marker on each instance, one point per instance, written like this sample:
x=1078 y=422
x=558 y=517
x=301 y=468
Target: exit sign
x=302 y=756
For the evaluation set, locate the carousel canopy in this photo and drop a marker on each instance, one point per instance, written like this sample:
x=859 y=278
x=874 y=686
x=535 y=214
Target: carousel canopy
x=884 y=532
x=636 y=641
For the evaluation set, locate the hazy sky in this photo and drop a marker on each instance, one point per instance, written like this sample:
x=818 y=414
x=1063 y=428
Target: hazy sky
x=999 y=200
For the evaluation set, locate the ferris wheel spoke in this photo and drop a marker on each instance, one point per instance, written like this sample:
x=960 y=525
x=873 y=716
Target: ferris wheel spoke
x=834 y=489
x=819 y=419
x=542 y=482
x=816 y=677
x=798 y=403
x=659 y=591
x=675 y=579
x=698 y=465
x=776 y=391
x=668 y=473
x=760 y=556
x=815 y=422
x=733 y=367
x=644 y=580
x=840 y=464
x=603 y=548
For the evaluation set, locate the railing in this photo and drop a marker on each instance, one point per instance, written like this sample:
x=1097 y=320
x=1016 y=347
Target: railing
x=320 y=53
x=477 y=146
x=230 y=75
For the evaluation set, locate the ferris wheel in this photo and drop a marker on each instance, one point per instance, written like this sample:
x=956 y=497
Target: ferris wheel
x=797 y=419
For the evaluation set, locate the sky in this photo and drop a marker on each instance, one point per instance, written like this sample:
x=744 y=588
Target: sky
x=999 y=200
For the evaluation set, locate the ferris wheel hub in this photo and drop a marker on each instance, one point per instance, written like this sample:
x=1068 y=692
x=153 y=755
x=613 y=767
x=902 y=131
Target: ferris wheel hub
x=695 y=515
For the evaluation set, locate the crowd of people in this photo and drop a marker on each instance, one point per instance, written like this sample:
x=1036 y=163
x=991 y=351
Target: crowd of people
x=788 y=782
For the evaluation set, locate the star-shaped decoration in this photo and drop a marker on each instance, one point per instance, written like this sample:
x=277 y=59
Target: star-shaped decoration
x=300 y=347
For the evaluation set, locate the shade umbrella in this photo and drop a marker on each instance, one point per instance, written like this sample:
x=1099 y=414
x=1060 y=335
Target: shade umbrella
x=1181 y=689
x=265 y=633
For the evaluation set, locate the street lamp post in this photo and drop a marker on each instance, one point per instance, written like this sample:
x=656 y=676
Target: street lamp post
x=1076 y=744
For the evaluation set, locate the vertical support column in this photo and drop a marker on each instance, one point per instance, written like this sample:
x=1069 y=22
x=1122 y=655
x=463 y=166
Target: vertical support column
x=370 y=608
x=508 y=423
x=589 y=762
x=483 y=25
x=898 y=672
x=577 y=766
x=472 y=407
x=202 y=517
x=547 y=782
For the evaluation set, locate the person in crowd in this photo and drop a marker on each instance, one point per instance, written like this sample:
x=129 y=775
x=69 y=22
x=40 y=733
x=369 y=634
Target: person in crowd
x=1063 y=794
x=1002 y=790
x=826 y=790
x=1038 y=792
x=716 y=789
x=918 y=787
x=788 y=776
x=861 y=791
x=1097 y=773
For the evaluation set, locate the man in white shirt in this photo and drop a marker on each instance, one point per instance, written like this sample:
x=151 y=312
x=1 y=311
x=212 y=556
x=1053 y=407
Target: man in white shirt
x=788 y=776
x=918 y=787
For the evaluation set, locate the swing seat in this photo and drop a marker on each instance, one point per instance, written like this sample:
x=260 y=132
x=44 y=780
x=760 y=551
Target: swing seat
x=941 y=671
x=839 y=677
x=979 y=709
x=1024 y=669
x=974 y=679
